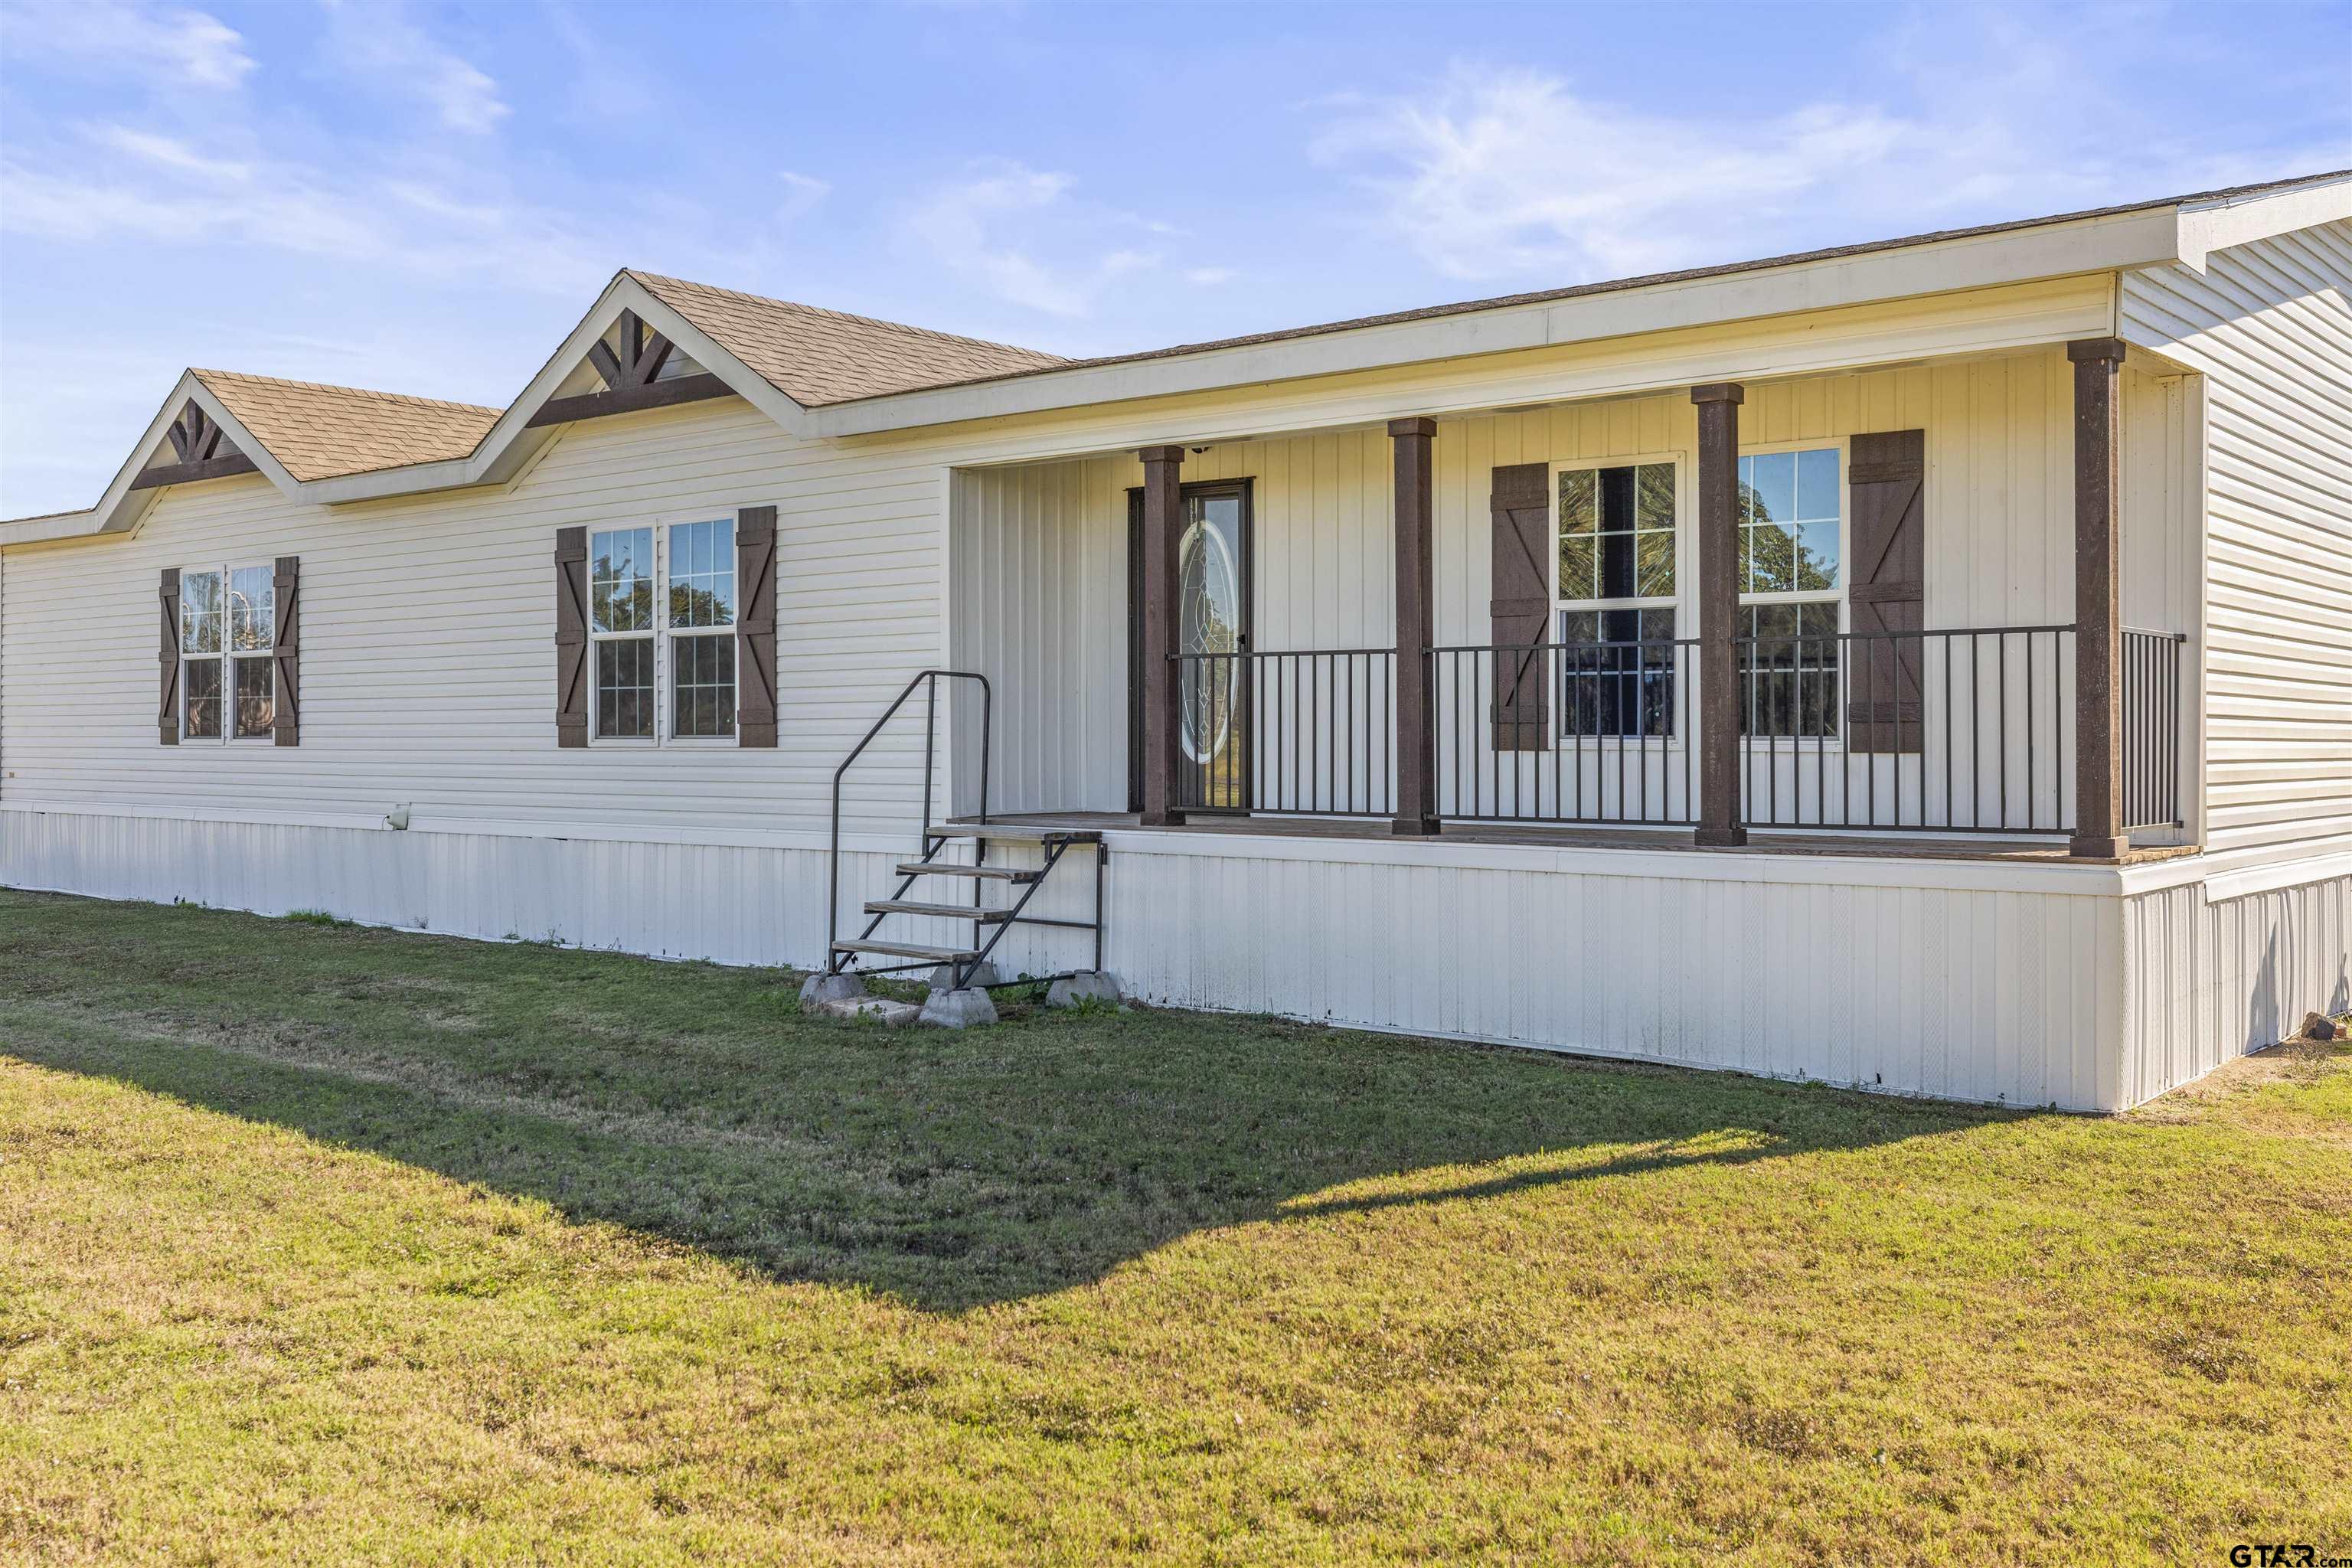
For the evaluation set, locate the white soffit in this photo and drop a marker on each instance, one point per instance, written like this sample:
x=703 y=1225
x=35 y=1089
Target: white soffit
x=2209 y=226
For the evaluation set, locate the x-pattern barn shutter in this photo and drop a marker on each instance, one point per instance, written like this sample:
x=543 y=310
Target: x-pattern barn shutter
x=1520 y=610
x=572 y=637
x=167 y=713
x=284 y=650
x=755 y=626
x=1887 y=476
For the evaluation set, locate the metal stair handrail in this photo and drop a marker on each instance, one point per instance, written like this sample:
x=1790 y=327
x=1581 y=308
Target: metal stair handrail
x=930 y=681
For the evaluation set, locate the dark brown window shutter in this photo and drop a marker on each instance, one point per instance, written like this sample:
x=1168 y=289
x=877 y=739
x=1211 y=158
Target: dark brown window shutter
x=1888 y=480
x=167 y=713
x=286 y=649
x=755 y=626
x=1520 y=610
x=570 y=636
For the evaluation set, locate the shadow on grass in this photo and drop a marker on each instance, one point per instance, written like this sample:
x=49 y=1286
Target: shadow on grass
x=697 y=1103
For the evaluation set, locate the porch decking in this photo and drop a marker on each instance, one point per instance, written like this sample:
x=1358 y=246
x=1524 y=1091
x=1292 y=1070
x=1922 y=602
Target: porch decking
x=2023 y=850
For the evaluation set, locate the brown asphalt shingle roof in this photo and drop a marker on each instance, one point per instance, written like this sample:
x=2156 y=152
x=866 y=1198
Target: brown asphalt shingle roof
x=325 y=431
x=815 y=357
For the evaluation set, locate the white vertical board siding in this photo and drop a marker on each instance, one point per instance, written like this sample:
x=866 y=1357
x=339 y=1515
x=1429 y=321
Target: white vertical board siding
x=1039 y=569
x=1870 y=980
x=730 y=903
x=428 y=657
x=1038 y=590
x=2269 y=326
x=2209 y=980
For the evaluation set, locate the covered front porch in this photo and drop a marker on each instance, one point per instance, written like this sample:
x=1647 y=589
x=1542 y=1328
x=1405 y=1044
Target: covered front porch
x=1932 y=607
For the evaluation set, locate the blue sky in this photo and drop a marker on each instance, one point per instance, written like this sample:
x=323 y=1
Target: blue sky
x=425 y=199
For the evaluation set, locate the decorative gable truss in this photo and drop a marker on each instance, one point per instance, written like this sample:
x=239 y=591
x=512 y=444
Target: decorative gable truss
x=203 y=450
x=631 y=360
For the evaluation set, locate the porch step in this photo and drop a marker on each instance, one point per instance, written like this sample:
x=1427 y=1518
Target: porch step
x=943 y=912
x=1017 y=833
x=986 y=873
x=911 y=949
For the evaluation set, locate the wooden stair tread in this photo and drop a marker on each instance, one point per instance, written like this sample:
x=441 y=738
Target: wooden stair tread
x=1017 y=833
x=942 y=911
x=987 y=873
x=908 y=950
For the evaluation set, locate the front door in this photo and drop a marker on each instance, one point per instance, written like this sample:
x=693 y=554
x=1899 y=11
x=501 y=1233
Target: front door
x=1213 y=640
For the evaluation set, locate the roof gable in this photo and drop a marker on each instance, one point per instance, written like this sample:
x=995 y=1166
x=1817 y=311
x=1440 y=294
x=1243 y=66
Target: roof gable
x=815 y=357
x=319 y=432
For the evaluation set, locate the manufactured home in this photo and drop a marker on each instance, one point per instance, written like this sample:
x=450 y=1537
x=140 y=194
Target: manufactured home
x=1923 y=665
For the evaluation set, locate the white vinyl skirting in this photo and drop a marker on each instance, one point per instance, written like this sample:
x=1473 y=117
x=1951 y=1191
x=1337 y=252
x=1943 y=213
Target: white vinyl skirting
x=1902 y=976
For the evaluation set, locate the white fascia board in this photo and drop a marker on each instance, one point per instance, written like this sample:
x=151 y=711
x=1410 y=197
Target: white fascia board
x=2106 y=244
x=2209 y=226
x=48 y=530
x=122 y=508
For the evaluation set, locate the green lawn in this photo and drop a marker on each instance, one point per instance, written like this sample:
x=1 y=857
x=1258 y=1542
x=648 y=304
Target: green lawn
x=327 y=1245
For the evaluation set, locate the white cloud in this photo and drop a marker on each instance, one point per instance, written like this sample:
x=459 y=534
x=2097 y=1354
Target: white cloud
x=1512 y=174
x=398 y=221
x=1500 y=176
x=379 y=46
x=963 y=226
x=1210 y=277
x=801 y=193
x=169 y=47
x=170 y=152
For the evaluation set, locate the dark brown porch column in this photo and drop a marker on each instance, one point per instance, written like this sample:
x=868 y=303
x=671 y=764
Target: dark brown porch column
x=1718 y=613
x=2098 y=632
x=1163 y=532
x=1416 y=747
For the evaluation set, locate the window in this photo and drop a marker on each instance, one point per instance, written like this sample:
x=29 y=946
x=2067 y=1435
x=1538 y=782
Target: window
x=1617 y=597
x=702 y=627
x=228 y=678
x=663 y=600
x=1791 y=511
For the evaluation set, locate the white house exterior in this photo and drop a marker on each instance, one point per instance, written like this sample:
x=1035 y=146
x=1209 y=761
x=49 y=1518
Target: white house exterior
x=2020 y=768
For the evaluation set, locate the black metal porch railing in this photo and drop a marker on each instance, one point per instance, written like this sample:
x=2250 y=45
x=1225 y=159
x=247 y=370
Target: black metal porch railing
x=1565 y=732
x=1964 y=731
x=1311 y=732
x=1967 y=731
x=2151 y=729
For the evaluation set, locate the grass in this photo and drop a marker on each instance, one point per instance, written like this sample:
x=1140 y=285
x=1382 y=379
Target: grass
x=326 y=1244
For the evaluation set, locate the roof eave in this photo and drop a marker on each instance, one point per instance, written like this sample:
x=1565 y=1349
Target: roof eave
x=2103 y=243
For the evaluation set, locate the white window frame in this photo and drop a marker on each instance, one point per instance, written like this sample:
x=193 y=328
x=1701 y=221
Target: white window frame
x=596 y=737
x=662 y=635
x=227 y=657
x=1842 y=445
x=1681 y=602
x=666 y=662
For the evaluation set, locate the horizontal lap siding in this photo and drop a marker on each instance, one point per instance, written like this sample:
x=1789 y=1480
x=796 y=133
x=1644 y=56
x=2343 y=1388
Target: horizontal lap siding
x=2270 y=325
x=428 y=660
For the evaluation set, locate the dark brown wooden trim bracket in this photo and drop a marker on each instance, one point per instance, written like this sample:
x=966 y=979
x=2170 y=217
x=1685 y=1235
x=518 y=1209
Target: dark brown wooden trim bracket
x=2098 y=629
x=194 y=437
x=1416 y=747
x=1717 y=521
x=189 y=473
x=1163 y=532
x=628 y=400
